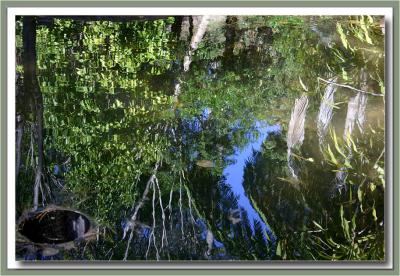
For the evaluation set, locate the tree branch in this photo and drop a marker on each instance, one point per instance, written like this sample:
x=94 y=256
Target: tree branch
x=146 y=191
x=352 y=88
x=138 y=206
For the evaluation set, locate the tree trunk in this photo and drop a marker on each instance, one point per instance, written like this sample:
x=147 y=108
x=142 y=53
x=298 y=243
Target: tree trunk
x=177 y=26
x=230 y=36
x=18 y=147
x=32 y=89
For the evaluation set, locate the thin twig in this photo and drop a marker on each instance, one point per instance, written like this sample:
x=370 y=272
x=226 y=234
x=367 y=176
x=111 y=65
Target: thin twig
x=352 y=88
x=31 y=147
x=136 y=182
x=18 y=147
x=42 y=193
x=164 y=232
x=180 y=203
x=152 y=235
x=192 y=218
x=154 y=221
x=190 y=207
x=146 y=191
x=379 y=158
x=148 y=245
x=83 y=251
x=37 y=185
x=138 y=206
x=127 y=245
x=170 y=204
x=48 y=191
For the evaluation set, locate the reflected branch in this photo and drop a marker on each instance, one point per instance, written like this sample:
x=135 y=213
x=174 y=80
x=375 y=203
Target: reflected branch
x=351 y=87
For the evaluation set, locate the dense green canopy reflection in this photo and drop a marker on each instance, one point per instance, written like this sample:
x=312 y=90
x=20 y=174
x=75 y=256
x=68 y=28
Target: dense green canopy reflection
x=145 y=119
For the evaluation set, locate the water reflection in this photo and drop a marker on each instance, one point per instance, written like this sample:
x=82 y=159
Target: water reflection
x=234 y=174
x=210 y=138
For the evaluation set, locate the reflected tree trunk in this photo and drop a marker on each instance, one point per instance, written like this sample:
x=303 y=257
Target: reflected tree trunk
x=18 y=147
x=326 y=111
x=177 y=26
x=185 y=29
x=295 y=133
x=191 y=27
x=32 y=90
x=200 y=29
x=230 y=36
x=21 y=103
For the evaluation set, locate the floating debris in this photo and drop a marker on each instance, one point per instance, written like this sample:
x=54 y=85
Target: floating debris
x=50 y=251
x=205 y=163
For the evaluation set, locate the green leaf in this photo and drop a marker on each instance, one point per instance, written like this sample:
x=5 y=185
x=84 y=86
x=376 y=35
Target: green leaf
x=303 y=85
x=364 y=28
x=374 y=213
x=345 y=223
x=279 y=250
x=337 y=145
x=360 y=194
x=342 y=35
x=319 y=226
x=344 y=74
x=332 y=157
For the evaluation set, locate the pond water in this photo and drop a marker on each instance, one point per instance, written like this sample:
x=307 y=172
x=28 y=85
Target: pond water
x=234 y=174
x=208 y=137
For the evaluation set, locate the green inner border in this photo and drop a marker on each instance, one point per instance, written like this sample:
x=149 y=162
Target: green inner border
x=206 y=3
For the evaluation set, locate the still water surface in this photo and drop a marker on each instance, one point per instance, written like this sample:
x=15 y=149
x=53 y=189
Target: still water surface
x=212 y=138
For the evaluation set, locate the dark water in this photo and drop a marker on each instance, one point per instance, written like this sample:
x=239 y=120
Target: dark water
x=179 y=146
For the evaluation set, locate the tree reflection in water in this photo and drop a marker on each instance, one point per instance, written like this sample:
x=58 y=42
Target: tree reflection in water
x=172 y=133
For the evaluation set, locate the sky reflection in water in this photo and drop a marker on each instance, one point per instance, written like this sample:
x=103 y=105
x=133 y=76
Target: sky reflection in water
x=234 y=173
